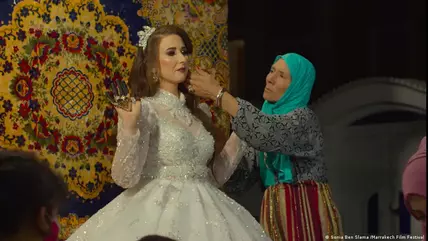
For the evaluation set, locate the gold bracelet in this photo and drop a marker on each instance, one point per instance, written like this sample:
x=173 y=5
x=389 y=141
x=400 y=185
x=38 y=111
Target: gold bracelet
x=219 y=97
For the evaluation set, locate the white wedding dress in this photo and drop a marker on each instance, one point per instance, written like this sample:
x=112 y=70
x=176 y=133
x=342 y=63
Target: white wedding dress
x=170 y=190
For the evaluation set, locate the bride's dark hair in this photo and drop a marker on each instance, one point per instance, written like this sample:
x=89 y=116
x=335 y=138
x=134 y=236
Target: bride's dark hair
x=142 y=82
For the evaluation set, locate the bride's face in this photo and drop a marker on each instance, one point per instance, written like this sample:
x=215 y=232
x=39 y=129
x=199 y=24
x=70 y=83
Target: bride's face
x=173 y=59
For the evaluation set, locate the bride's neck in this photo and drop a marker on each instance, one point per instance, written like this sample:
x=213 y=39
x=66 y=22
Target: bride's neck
x=171 y=88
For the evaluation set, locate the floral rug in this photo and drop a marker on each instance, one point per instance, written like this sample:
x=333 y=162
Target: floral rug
x=56 y=59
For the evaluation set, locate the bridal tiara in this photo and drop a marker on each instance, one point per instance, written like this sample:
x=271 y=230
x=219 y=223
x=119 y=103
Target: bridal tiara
x=144 y=36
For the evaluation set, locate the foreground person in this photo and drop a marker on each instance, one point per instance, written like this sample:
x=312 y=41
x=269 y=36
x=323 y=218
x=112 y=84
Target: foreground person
x=414 y=184
x=31 y=195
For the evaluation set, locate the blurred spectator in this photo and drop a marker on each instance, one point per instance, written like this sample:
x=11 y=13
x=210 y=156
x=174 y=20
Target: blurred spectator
x=30 y=196
x=155 y=238
x=414 y=184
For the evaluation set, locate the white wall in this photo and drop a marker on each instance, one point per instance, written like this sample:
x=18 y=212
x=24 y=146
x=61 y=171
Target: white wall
x=363 y=160
x=366 y=159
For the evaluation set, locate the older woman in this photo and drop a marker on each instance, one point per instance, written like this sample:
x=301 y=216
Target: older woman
x=288 y=143
x=414 y=184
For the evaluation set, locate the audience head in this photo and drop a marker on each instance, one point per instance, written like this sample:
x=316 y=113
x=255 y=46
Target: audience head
x=414 y=183
x=30 y=198
x=155 y=238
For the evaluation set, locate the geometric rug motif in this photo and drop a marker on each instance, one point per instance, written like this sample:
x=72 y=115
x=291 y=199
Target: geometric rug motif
x=56 y=59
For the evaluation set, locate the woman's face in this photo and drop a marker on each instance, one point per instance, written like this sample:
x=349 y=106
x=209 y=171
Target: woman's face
x=277 y=81
x=173 y=60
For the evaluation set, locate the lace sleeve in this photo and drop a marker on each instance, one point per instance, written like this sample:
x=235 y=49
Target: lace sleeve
x=225 y=164
x=205 y=109
x=297 y=133
x=131 y=151
x=246 y=174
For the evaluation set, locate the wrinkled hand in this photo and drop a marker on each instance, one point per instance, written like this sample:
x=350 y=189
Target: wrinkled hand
x=204 y=84
x=127 y=109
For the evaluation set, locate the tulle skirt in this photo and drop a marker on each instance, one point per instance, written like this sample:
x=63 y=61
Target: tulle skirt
x=181 y=210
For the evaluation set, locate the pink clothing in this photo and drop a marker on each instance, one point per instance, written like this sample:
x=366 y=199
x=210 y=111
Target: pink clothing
x=54 y=233
x=415 y=176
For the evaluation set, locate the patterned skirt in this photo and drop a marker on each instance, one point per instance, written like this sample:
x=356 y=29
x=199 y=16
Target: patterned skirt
x=300 y=212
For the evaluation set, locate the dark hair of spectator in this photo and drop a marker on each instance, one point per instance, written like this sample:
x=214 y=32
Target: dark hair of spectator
x=155 y=238
x=26 y=185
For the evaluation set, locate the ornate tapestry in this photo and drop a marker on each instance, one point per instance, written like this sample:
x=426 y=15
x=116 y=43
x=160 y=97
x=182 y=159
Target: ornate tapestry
x=56 y=59
x=206 y=23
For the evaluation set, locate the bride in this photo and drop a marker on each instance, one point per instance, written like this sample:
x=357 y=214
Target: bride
x=162 y=156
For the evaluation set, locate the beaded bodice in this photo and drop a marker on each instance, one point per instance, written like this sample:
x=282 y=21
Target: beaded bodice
x=180 y=146
x=171 y=143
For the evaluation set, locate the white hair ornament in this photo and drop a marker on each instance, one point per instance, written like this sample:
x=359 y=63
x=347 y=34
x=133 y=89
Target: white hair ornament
x=144 y=36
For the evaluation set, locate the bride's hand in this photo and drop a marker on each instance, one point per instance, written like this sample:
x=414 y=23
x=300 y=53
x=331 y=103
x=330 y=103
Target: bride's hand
x=127 y=108
x=130 y=118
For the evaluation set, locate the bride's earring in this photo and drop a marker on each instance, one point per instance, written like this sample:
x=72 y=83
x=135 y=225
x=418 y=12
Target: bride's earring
x=155 y=75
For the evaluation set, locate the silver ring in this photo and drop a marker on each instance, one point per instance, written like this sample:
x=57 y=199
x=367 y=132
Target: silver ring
x=190 y=88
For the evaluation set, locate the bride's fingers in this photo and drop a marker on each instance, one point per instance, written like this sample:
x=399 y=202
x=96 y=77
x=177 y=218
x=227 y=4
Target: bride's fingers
x=118 y=95
x=119 y=102
x=110 y=96
x=125 y=105
x=122 y=88
x=116 y=85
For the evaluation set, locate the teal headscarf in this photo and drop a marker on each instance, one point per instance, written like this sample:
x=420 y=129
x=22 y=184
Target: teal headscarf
x=302 y=72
